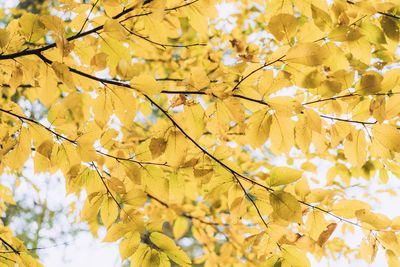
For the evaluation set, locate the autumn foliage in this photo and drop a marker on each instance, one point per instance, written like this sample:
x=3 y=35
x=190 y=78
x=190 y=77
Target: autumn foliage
x=198 y=138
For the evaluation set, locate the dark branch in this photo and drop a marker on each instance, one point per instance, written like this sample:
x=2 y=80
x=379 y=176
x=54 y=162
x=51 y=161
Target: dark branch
x=37 y=51
x=157 y=43
x=379 y=12
x=345 y=120
x=74 y=142
x=14 y=250
x=256 y=70
x=87 y=18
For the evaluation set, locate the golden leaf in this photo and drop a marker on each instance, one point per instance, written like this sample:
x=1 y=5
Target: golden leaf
x=309 y=54
x=324 y=236
x=286 y=206
x=283 y=175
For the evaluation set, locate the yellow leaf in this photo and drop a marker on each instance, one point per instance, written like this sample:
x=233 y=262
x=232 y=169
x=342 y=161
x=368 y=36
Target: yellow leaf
x=316 y=223
x=16 y=78
x=157 y=147
x=31 y=27
x=324 y=236
x=135 y=197
x=373 y=33
x=361 y=50
x=115 y=50
x=139 y=255
x=129 y=245
x=389 y=240
x=114 y=29
x=286 y=206
x=108 y=137
x=146 y=84
x=392 y=259
x=281 y=133
x=198 y=77
x=313 y=120
x=168 y=246
x=390 y=28
x=321 y=18
x=303 y=134
x=99 y=61
x=125 y=70
x=392 y=107
x=109 y=211
x=377 y=221
x=193 y=120
x=198 y=21
x=6 y=195
x=180 y=227
x=387 y=135
x=294 y=256
x=176 y=188
x=155 y=176
x=309 y=54
x=345 y=33
x=4 y=37
x=391 y=80
x=91 y=206
x=164 y=260
x=368 y=249
x=355 y=148
x=302 y=188
x=370 y=83
x=115 y=232
x=17 y=157
x=151 y=259
x=258 y=130
x=62 y=72
x=395 y=223
x=155 y=30
x=283 y=175
x=53 y=23
x=283 y=26
x=284 y=105
x=45 y=148
x=348 y=208
x=272 y=261
x=116 y=185
x=176 y=149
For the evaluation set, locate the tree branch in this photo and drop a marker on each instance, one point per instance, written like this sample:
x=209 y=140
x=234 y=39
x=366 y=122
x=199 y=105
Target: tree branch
x=345 y=120
x=160 y=44
x=187 y=215
x=14 y=250
x=37 y=51
x=379 y=12
x=256 y=70
x=204 y=151
x=87 y=18
x=74 y=142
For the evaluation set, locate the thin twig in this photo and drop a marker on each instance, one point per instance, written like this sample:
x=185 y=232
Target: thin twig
x=9 y=246
x=74 y=142
x=157 y=43
x=87 y=18
x=256 y=70
x=27 y=52
x=345 y=120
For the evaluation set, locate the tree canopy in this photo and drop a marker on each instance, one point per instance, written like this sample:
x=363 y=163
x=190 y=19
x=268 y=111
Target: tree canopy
x=206 y=132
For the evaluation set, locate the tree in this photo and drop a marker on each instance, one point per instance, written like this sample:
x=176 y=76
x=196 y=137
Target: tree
x=173 y=122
